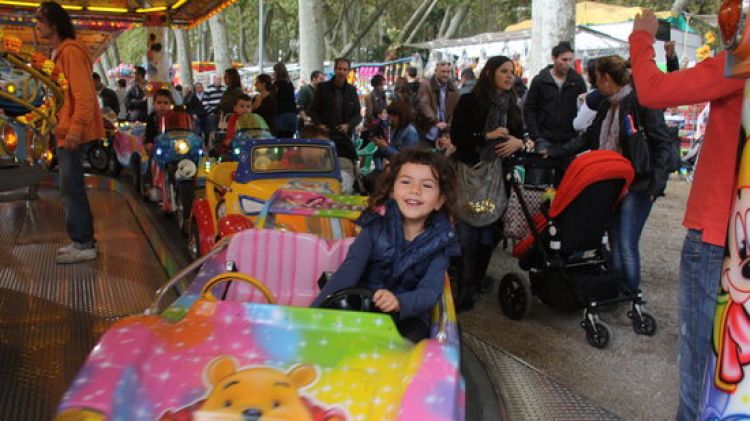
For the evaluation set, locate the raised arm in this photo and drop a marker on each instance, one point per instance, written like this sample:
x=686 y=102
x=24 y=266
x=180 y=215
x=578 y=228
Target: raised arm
x=703 y=83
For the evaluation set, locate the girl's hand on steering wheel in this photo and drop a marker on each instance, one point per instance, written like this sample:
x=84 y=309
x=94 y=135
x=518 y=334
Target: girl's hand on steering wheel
x=386 y=301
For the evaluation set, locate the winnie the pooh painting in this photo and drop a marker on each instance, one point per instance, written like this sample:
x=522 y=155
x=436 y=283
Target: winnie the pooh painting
x=255 y=394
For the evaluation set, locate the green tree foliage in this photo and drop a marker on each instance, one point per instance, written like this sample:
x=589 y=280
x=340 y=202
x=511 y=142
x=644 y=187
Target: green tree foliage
x=132 y=46
x=346 y=18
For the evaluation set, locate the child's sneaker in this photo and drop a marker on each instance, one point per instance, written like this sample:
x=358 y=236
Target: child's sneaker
x=76 y=255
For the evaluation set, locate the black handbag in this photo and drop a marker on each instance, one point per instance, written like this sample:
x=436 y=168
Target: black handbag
x=636 y=147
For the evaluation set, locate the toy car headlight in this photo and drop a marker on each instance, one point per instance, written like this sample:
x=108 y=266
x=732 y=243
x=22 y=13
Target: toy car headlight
x=10 y=138
x=181 y=146
x=732 y=19
x=186 y=169
x=10 y=88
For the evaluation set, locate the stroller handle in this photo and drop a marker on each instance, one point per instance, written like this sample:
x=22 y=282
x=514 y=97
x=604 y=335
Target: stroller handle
x=536 y=160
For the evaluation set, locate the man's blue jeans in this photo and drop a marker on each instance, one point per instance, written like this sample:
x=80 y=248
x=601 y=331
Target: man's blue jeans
x=700 y=271
x=78 y=220
x=625 y=235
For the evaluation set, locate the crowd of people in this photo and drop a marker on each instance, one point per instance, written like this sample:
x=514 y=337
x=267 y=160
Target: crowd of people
x=436 y=139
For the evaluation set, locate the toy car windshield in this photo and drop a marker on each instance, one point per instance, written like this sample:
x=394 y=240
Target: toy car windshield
x=176 y=121
x=253 y=125
x=293 y=157
x=308 y=203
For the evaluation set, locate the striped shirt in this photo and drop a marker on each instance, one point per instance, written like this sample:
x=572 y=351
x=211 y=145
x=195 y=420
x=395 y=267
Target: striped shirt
x=212 y=98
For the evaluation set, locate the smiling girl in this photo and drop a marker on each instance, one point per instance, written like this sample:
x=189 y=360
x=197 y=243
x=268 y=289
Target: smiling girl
x=406 y=242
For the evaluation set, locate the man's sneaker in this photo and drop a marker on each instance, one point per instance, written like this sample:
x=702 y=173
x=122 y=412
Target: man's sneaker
x=66 y=249
x=76 y=255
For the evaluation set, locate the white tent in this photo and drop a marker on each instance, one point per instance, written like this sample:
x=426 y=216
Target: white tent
x=588 y=42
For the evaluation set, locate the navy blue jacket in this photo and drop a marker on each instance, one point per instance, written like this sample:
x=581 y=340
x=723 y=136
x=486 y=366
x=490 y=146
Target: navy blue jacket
x=380 y=258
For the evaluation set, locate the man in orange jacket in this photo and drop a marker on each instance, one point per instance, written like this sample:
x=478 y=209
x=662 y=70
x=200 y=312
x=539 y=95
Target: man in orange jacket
x=79 y=121
x=710 y=201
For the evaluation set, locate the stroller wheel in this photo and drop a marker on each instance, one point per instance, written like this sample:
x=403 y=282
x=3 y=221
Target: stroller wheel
x=645 y=325
x=599 y=334
x=515 y=296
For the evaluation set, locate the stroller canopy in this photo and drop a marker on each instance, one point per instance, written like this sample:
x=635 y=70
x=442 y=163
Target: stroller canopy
x=587 y=169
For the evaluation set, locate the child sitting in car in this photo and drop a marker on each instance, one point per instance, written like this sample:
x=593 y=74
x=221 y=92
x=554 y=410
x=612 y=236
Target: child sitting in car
x=406 y=242
x=241 y=106
x=163 y=102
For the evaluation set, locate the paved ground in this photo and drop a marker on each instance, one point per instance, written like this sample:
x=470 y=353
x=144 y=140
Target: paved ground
x=636 y=377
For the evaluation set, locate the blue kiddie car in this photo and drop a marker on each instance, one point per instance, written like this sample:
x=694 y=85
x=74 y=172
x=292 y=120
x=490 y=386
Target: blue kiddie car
x=178 y=152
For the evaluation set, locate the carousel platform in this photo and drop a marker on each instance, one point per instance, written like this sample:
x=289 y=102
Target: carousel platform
x=51 y=316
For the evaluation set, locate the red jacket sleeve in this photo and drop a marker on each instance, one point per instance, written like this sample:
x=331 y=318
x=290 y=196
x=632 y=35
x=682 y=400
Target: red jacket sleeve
x=231 y=128
x=702 y=83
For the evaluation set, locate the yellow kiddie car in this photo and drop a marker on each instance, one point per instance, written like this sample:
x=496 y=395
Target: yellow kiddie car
x=236 y=191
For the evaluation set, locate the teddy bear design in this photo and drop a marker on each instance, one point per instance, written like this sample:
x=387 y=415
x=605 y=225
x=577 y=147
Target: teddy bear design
x=255 y=394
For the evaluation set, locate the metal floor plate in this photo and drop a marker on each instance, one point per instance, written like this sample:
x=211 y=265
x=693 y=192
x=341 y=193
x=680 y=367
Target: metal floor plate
x=52 y=315
x=529 y=394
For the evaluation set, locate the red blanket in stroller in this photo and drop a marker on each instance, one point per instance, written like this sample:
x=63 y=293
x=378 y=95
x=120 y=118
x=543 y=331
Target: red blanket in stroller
x=587 y=169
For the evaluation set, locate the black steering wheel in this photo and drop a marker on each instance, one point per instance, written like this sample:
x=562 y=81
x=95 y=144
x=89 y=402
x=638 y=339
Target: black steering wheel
x=355 y=299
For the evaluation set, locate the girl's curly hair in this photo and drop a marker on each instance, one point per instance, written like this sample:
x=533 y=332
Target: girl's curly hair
x=442 y=169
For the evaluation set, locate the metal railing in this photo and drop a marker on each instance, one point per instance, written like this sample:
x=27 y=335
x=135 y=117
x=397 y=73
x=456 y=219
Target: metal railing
x=162 y=291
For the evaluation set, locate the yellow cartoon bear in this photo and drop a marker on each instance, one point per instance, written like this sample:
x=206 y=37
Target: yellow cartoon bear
x=259 y=394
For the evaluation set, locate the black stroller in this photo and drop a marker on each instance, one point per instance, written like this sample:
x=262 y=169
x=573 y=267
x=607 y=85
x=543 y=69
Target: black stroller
x=566 y=254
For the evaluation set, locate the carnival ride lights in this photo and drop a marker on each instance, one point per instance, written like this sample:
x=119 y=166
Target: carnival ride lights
x=31 y=90
x=76 y=7
x=181 y=146
x=10 y=139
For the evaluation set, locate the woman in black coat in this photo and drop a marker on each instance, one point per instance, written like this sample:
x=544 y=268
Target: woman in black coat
x=487 y=126
x=620 y=116
x=285 y=119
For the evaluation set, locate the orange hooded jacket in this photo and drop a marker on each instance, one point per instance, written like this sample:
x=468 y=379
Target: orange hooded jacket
x=79 y=113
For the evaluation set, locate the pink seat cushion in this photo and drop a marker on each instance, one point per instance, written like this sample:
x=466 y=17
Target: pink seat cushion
x=289 y=263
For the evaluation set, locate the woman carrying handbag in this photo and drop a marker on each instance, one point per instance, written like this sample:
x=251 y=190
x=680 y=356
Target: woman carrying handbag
x=487 y=126
x=641 y=135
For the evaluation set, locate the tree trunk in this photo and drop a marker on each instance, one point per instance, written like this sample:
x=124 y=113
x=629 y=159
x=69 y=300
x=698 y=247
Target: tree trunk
x=421 y=22
x=99 y=68
x=219 y=43
x=172 y=42
x=444 y=22
x=552 y=21
x=369 y=23
x=311 y=39
x=456 y=21
x=104 y=65
x=115 y=53
x=679 y=5
x=268 y=16
x=183 y=57
x=413 y=19
x=243 y=45
x=203 y=42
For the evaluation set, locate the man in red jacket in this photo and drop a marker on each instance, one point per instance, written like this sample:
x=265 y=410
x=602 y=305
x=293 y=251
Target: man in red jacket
x=710 y=200
x=79 y=121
